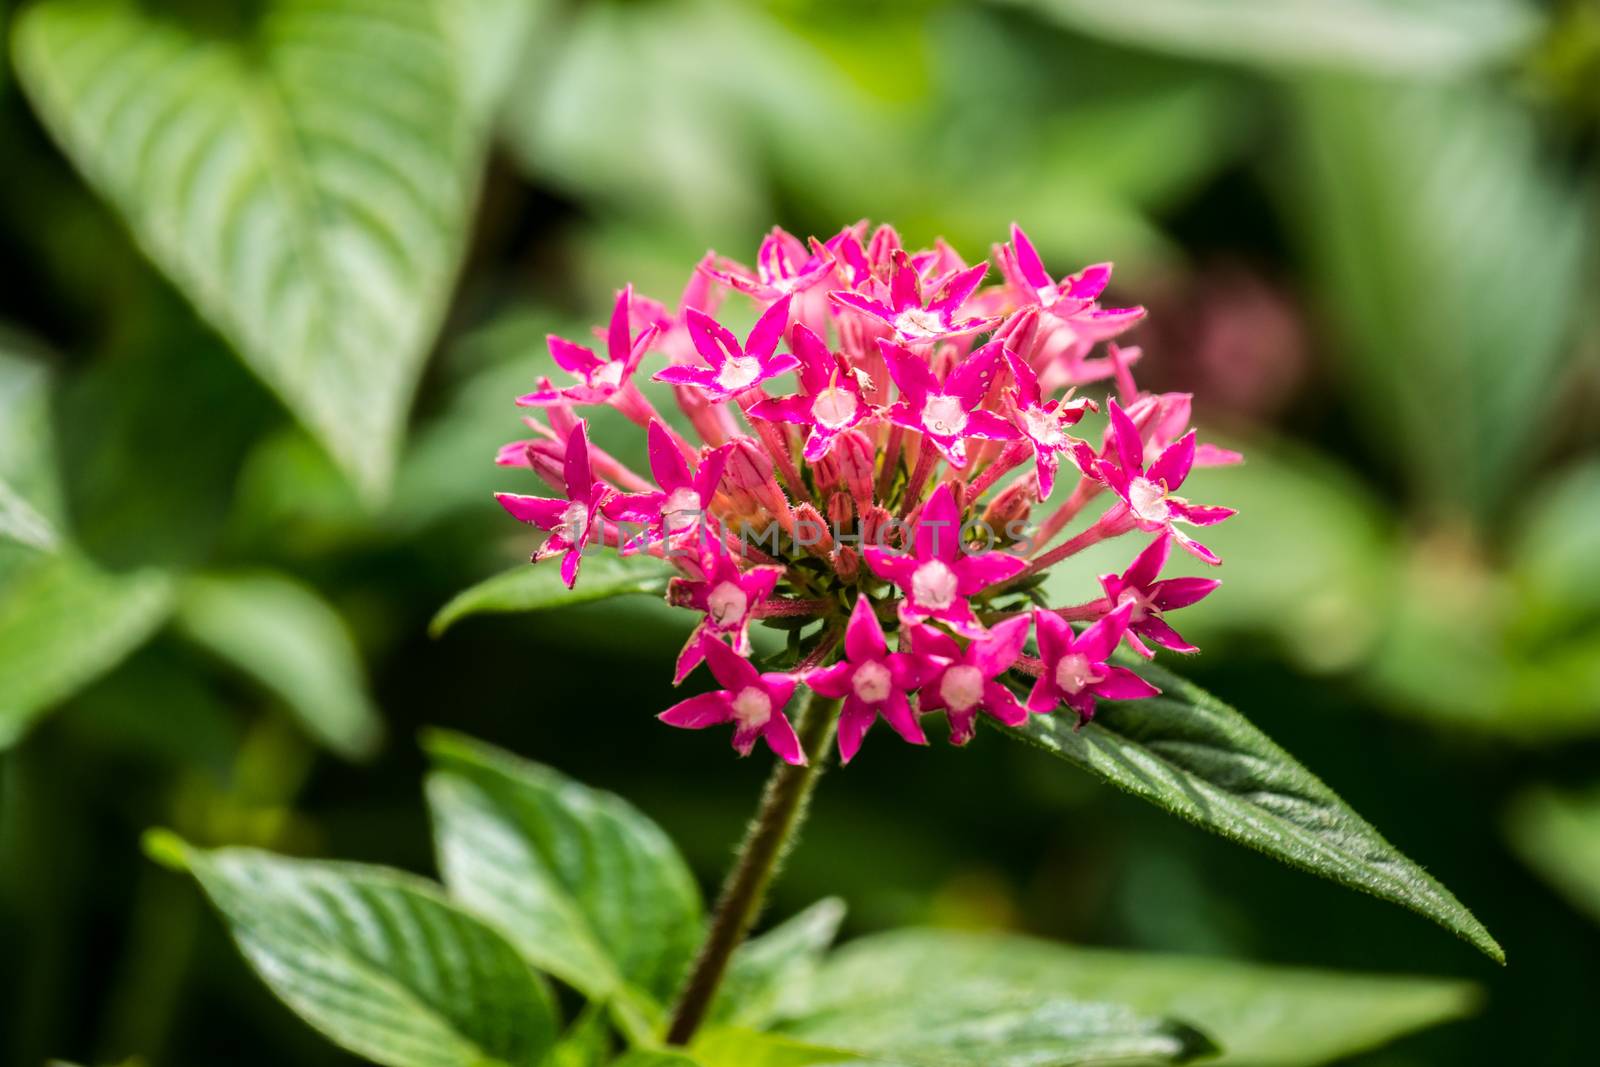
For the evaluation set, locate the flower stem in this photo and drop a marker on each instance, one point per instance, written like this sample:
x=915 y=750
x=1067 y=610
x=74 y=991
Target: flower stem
x=782 y=810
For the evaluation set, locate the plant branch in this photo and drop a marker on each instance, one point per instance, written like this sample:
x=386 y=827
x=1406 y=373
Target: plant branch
x=782 y=810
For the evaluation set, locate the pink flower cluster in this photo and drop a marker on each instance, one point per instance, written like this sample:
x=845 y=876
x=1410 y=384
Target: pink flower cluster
x=889 y=486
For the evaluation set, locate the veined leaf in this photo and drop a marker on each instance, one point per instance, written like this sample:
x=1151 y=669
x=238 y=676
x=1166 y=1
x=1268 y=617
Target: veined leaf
x=1198 y=758
x=1558 y=835
x=286 y=637
x=946 y=1021
x=727 y=1047
x=538 y=587
x=1410 y=37
x=308 y=189
x=1279 y=1016
x=379 y=961
x=584 y=885
x=767 y=970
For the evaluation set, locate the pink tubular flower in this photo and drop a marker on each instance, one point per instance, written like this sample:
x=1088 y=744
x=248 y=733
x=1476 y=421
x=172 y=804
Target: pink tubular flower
x=684 y=502
x=947 y=412
x=829 y=401
x=938 y=575
x=733 y=369
x=728 y=596
x=1043 y=422
x=887 y=497
x=1147 y=494
x=919 y=321
x=872 y=681
x=1075 y=671
x=573 y=522
x=965 y=681
x=1137 y=586
x=752 y=701
x=599 y=379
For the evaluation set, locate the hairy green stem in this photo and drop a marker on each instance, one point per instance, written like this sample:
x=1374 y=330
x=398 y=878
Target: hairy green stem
x=771 y=831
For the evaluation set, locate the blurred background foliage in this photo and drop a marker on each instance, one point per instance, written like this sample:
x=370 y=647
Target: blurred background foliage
x=235 y=235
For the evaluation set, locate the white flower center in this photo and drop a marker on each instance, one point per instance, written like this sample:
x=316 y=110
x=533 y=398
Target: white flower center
x=1148 y=501
x=917 y=324
x=871 y=682
x=737 y=373
x=961 y=687
x=933 y=585
x=575 y=522
x=752 y=707
x=1074 y=672
x=1043 y=426
x=681 y=510
x=727 y=604
x=834 y=408
x=1143 y=606
x=943 y=415
x=608 y=375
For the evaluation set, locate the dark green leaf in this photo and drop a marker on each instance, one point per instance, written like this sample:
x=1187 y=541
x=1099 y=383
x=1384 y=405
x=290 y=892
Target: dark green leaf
x=769 y=969
x=286 y=637
x=1198 y=758
x=1259 y=1015
x=309 y=190
x=538 y=587
x=585 y=886
x=379 y=961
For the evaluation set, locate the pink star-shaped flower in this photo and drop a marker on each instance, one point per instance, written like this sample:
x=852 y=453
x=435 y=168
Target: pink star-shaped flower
x=1147 y=494
x=914 y=319
x=728 y=596
x=1073 y=300
x=947 y=412
x=829 y=401
x=683 y=503
x=751 y=700
x=573 y=522
x=938 y=575
x=784 y=266
x=1138 y=586
x=965 y=682
x=873 y=681
x=733 y=368
x=1042 y=422
x=1075 y=671
x=598 y=379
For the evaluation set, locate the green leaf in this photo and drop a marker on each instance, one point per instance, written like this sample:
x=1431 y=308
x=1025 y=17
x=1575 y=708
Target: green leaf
x=584 y=885
x=1198 y=758
x=944 y=1021
x=63 y=623
x=28 y=490
x=1451 y=254
x=767 y=970
x=309 y=188
x=538 y=587
x=654 y=1058
x=1412 y=37
x=282 y=634
x=1557 y=833
x=379 y=961
x=1279 y=1016
x=729 y=1047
